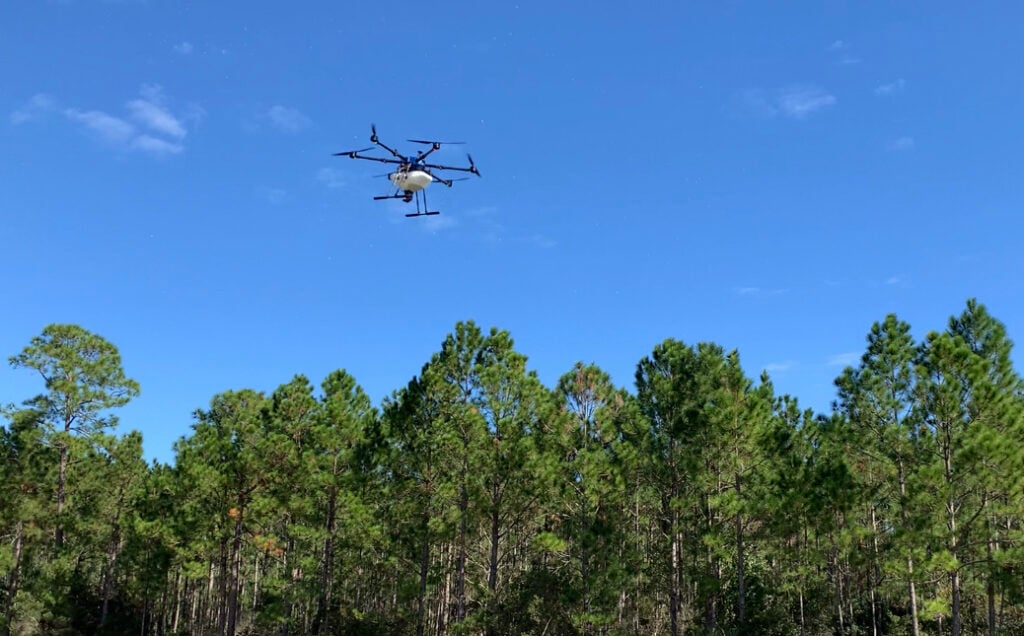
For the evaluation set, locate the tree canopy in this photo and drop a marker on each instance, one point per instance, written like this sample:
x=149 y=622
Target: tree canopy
x=476 y=500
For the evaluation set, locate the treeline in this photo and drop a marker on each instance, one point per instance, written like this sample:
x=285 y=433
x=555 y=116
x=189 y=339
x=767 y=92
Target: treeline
x=476 y=500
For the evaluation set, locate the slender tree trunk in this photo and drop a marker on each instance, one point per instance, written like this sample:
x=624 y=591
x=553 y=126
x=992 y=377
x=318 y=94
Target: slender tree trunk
x=460 y=565
x=954 y=576
x=424 y=570
x=492 y=574
x=222 y=589
x=803 y=624
x=710 y=571
x=177 y=599
x=872 y=578
x=327 y=572
x=12 y=578
x=990 y=589
x=235 y=577
x=62 y=472
x=741 y=588
x=673 y=595
x=914 y=624
x=954 y=583
x=107 y=584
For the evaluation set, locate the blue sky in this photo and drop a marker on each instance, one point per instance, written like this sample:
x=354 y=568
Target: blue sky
x=772 y=178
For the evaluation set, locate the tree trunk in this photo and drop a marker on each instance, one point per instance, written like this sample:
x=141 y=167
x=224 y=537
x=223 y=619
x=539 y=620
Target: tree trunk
x=951 y=507
x=12 y=578
x=741 y=589
x=327 y=571
x=990 y=590
x=872 y=578
x=235 y=578
x=914 y=625
x=107 y=584
x=492 y=574
x=424 y=570
x=673 y=595
x=62 y=472
x=954 y=623
x=222 y=590
x=460 y=564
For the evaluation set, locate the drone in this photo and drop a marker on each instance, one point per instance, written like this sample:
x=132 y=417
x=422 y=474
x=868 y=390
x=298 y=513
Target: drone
x=412 y=173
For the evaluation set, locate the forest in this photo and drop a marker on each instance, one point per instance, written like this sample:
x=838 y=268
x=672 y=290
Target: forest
x=477 y=500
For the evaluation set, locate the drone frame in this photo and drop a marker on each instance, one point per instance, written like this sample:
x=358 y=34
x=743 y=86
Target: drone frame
x=411 y=163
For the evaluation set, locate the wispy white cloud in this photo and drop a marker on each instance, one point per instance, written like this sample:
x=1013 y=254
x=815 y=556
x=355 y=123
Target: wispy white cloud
x=773 y=367
x=107 y=127
x=34 y=109
x=166 y=131
x=332 y=178
x=894 y=280
x=841 y=48
x=287 y=119
x=891 y=88
x=754 y=102
x=156 y=146
x=546 y=242
x=184 y=48
x=150 y=112
x=802 y=101
x=796 y=102
x=901 y=144
x=844 y=359
x=273 y=196
x=760 y=292
x=437 y=223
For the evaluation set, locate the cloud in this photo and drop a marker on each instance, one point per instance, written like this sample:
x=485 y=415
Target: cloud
x=150 y=113
x=287 y=119
x=759 y=292
x=842 y=49
x=844 y=359
x=754 y=102
x=107 y=127
x=156 y=146
x=797 y=102
x=332 y=178
x=779 y=366
x=891 y=88
x=438 y=223
x=273 y=196
x=543 y=241
x=894 y=280
x=39 y=105
x=901 y=144
x=166 y=131
x=801 y=101
x=184 y=48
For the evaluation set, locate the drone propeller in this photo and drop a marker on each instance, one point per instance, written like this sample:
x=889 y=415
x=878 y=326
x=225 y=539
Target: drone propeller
x=426 y=142
x=472 y=166
x=352 y=152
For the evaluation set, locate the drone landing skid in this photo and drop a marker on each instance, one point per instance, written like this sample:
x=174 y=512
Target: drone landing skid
x=408 y=197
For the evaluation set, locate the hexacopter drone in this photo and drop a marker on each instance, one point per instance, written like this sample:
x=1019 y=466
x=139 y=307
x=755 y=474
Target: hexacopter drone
x=412 y=174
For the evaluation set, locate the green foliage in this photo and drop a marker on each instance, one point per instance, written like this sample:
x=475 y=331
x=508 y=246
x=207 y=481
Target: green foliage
x=478 y=501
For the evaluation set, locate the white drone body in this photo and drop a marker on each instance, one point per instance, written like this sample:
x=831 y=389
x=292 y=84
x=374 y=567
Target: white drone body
x=410 y=180
x=412 y=172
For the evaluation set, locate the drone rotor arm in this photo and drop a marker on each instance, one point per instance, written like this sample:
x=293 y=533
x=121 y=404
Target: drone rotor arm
x=374 y=139
x=355 y=155
x=471 y=170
